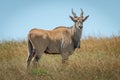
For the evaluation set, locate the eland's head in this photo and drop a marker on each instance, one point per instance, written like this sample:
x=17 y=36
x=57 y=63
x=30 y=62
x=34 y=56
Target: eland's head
x=78 y=20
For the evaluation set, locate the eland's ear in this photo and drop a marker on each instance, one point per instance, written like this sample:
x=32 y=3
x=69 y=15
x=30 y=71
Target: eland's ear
x=85 y=18
x=72 y=18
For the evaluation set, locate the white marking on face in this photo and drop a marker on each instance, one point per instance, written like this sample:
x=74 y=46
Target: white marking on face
x=79 y=25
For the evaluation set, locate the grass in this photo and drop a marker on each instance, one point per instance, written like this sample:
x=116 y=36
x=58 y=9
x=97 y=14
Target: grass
x=97 y=59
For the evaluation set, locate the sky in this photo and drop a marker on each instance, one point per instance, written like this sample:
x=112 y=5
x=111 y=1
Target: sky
x=17 y=17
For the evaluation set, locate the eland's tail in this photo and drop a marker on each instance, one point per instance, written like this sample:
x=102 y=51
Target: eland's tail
x=31 y=51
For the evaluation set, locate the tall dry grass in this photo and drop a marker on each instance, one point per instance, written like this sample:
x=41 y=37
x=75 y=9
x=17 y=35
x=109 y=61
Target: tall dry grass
x=97 y=59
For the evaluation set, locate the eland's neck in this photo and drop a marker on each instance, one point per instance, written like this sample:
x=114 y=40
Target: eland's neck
x=76 y=33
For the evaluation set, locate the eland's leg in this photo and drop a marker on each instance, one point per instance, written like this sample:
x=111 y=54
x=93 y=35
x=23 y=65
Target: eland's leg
x=40 y=46
x=65 y=58
x=31 y=55
x=37 y=57
x=35 y=61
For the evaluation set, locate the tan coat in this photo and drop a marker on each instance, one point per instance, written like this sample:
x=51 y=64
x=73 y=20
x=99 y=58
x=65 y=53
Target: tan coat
x=59 y=40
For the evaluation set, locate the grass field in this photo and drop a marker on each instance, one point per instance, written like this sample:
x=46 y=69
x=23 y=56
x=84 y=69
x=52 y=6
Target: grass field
x=97 y=59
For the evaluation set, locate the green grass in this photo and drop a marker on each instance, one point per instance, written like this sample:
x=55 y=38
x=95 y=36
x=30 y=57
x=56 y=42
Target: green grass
x=97 y=59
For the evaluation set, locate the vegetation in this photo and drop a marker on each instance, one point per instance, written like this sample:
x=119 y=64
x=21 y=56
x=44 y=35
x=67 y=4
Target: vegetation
x=97 y=59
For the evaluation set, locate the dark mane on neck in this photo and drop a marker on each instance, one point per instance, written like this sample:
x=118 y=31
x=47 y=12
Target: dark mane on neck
x=62 y=27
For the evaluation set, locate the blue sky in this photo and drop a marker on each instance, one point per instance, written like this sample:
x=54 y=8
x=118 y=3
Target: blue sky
x=17 y=17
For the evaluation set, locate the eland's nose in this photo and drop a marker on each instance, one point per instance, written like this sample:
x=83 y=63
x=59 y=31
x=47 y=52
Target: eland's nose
x=80 y=27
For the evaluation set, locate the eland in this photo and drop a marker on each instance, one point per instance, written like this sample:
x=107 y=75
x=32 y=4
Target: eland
x=61 y=40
